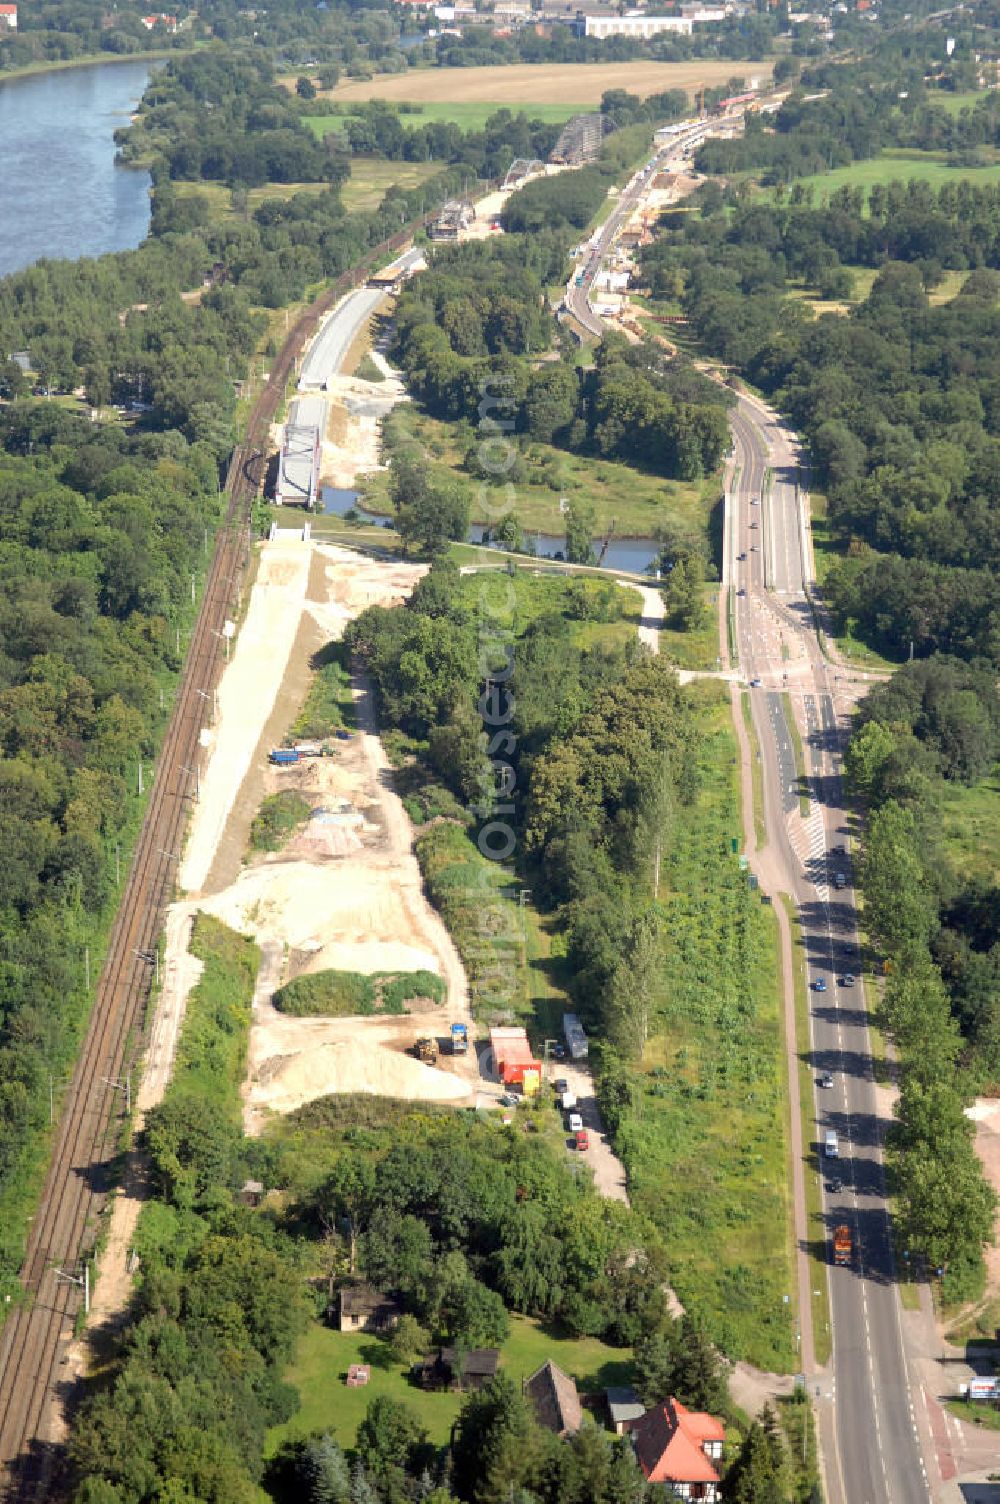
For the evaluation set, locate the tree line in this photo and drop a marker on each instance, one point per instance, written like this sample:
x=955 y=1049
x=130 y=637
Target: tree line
x=934 y=723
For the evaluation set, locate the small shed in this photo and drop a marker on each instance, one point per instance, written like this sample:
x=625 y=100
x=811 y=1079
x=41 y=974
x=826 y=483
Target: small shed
x=358 y=1375
x=448 y=1369
x=624 y=1409
x=252 y=1193
x=365 y=1309
x=554 y=1399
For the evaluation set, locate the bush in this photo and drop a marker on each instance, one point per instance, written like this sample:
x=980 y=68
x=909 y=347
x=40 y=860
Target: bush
x=329 y=705
x=343 y=994
x=278 y=818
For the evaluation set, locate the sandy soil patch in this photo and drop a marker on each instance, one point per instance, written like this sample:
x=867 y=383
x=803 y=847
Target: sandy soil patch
x=545 y=83
x=245 y=695
x=356 y=411
x=986 y=1116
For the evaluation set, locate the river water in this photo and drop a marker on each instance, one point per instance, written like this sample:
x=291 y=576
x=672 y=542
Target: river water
x=61 y=193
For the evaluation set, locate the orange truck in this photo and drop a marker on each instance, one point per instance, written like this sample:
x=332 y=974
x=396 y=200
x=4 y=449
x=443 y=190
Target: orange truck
x=842 y=1246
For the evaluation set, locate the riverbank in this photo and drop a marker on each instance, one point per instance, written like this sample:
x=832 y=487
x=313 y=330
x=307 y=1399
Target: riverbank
x=91 y=60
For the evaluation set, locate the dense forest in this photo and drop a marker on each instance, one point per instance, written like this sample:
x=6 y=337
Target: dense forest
x=101 y=534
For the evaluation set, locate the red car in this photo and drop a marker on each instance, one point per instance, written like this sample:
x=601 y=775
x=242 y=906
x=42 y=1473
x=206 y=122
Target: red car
x=582 y=1140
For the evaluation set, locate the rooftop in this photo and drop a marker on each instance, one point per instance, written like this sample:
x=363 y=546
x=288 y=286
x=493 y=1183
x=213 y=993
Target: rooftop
x=554 y=1397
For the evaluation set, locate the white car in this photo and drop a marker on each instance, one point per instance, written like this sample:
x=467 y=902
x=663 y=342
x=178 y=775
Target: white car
x=574 y=1122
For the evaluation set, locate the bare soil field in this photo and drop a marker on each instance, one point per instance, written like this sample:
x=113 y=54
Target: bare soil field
x=544 y=83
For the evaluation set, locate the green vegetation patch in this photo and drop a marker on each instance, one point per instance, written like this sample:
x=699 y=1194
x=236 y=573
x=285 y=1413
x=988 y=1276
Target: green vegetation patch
x=211 y=1055
x=279 y=817
x=329 y=706
x=705 y=1138
x=634 y=503
x=340 y=994
x=970 y=823
x=371 y=179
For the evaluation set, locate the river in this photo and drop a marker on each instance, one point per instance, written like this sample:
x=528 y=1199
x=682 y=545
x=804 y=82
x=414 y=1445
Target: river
x=61 y=193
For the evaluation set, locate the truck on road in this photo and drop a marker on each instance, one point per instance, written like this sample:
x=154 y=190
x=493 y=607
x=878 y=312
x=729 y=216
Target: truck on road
x=283 y=757
x=459 y=1039
x=843 y=1247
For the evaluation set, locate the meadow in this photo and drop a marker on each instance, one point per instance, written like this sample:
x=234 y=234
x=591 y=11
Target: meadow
x=898 y=166
x=471 y=115
x=706 y=1144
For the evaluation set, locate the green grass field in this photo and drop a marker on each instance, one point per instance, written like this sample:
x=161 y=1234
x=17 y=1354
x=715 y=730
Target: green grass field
x=927 y=167
x=970 y=822
x=470 y=115
x=954 y=104
x=707 y=1146
x=635 y=502
x=321 y=1362
x=371 y=179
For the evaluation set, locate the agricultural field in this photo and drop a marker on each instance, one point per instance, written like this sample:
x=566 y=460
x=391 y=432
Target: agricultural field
x=900 y=166
x=323 y=1356
x=551 y=84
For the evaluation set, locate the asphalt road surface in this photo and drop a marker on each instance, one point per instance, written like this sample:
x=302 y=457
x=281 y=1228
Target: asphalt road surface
x=328 y=350
x=577 y=299
x=870 y=1442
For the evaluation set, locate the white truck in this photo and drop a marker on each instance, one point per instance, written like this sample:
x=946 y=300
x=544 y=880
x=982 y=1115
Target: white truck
x=576 y=1040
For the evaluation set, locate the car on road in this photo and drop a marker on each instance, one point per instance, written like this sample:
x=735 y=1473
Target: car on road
x=826 y=1079
x=753 y=548
x=835 y=1185
x=837 y=851
x=560 y=1085
x=740 y=558
x=741 y=591
x=756 y=683
x=819 y=985
x=847 y=980
x=582 y=1141
x=755 y=501
x=831 y=1144
x=839 y=880
x=754 y=524
x=559 y=1052
x=574 y=1123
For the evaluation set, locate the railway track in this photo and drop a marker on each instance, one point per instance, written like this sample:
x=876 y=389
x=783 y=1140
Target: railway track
x=35 y=1338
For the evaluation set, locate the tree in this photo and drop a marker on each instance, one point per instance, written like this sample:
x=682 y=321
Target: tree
x=681 y=1363
x=305 y=88
x=388 y=1436
x=323 y=1471
x=580 y=532
x=409 y=1340
x=495 y=1443
x=433 y=517
x=757 y=1474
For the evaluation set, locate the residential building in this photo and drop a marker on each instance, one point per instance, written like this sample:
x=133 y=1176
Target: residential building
x=365 y=1309
x=624 y=1409
x=8 y=17
x=554 y=1398
x=169 y=23
x=679 y=1448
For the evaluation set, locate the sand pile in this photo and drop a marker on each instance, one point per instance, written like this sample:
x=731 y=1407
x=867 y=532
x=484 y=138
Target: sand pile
x=354 y=1065
x=305 y=903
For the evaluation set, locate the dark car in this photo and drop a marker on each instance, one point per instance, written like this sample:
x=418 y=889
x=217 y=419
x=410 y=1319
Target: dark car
x=835 y=1185
x=561 y=1085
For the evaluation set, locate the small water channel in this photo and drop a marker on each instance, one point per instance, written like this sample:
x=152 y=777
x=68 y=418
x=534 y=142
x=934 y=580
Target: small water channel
x=633 y=555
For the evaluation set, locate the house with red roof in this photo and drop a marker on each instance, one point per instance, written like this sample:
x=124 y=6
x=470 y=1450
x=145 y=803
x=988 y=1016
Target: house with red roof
x=8 y=17
x=679 y=1448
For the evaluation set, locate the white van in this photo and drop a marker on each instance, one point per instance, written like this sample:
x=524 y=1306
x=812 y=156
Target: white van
x=831 y=1147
